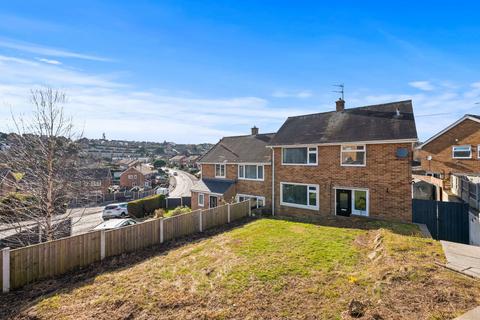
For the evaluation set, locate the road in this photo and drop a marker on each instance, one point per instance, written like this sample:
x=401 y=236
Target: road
x=184 y=182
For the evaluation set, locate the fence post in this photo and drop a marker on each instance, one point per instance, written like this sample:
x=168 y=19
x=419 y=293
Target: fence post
x=201 y=220
x=161 y=230
x=102 y=244
x=6 y=269
x=249 y=207
x=228 y=212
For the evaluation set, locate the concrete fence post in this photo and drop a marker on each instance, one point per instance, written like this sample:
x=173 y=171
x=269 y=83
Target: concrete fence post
x=249 y=207
x=6 y=269
x=228 y=212
x=200 y=218
x=161 y=230
x=102 y=244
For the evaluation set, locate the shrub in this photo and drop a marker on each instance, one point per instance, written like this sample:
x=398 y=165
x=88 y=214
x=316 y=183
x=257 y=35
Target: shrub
x=159 y=213
x=179 y=210
x=146 y=206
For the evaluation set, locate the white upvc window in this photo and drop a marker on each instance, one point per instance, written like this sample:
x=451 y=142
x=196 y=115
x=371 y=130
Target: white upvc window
x=462 y=152
x=130 y=176
x=299 y=155
x=256 y=201
x=478 y=151
x=219 y=170
x=250 y=172
x=353 y=155
x=298 y=195
x=201 y=199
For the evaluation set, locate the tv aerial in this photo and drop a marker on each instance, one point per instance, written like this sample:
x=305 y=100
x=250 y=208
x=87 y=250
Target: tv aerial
x=341 y=89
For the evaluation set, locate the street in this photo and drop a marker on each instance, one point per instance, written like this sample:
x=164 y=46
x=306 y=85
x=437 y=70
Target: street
x=184 y=182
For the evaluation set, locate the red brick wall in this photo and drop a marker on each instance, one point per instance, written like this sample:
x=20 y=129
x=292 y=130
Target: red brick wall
x=467 y=132
x=128 y=183
x=387 y=178
x=248 y=187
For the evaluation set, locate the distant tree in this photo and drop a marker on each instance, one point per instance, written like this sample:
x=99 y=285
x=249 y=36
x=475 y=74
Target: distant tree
x=44 y=150
x=159 y=151
x=159 y=163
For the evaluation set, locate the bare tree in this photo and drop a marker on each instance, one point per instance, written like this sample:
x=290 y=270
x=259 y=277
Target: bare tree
x=44 y=153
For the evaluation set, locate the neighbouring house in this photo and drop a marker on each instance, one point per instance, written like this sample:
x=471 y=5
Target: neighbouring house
x=140 y=175
x=124 y=164
x=7 y=182
x=191 y=161
x=96 y=180
x=346 y=162
x=455 y=149
x=178 y=160
x=236 y=169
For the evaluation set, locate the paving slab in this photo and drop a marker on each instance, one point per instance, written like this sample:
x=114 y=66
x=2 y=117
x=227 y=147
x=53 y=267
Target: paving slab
x=462 y=257
x=473 y=314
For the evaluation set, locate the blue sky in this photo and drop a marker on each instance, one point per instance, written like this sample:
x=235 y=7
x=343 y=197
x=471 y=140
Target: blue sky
x=194 y=71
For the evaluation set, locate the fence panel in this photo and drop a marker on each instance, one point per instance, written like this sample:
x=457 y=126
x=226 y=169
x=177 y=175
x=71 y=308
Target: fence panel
x=53 y=258
x=181 y=225
x=239 y=210
x=131 y=238
x=215 y=217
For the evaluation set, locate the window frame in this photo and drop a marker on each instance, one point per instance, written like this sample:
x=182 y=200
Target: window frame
x=202 y=203
x=238 y=195
x=349 y=164
x=316 y=207
x=241 y=168
x=464 y=145
x=308 y=147
x=224 y=170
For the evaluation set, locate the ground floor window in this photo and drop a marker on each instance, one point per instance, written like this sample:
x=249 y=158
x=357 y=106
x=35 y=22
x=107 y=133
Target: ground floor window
x=350 y=201
x=256 y=201
x=213 y=201
x=201 y=199
x=299 y=195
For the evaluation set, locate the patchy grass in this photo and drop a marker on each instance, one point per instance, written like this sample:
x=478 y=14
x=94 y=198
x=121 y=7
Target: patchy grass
x=273 y=269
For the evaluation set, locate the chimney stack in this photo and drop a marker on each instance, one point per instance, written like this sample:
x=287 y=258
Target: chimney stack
x=254 y=131
x=340 y=103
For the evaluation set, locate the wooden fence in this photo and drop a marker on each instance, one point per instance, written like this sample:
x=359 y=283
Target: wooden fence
x=48 y=259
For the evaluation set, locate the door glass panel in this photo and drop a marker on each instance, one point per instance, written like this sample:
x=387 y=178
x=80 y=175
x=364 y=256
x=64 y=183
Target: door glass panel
x=343 y=200
x=360 y=200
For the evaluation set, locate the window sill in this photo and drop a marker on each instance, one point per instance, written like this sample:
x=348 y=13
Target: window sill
x=353 y=165
x=300 y=164
x=299 y=206
x=246 y=179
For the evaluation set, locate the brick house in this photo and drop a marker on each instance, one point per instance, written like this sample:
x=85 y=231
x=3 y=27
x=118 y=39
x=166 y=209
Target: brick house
x=8 y=182
x=235 y=169
x=137 y=176
x=96 y=180
x=455 y=149
x=346 y=162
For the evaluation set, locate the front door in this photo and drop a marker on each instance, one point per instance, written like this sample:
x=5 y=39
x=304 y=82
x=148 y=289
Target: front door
x=213 y=201
x=344 y=202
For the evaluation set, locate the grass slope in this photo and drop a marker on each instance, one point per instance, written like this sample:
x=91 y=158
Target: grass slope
x=276 y=269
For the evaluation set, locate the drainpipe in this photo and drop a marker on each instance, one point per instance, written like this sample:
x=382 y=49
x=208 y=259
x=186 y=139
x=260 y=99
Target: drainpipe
x=273 y=181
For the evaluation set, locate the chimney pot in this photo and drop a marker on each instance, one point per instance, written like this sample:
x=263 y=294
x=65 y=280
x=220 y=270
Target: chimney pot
x=254 y=131
x=340 y=104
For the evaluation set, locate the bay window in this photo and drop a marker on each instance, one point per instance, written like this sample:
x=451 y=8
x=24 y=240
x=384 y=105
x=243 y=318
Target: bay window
x=302 y=155
x=250 y=172
x=462 y=152
x=299 y=195
x=219 y=170
x=353 y=155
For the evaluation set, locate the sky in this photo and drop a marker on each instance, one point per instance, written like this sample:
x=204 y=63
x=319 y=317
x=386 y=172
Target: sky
x=195 y=71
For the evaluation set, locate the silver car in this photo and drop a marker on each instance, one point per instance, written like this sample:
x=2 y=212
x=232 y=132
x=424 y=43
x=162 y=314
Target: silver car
x=115 y=210
x=114 y=224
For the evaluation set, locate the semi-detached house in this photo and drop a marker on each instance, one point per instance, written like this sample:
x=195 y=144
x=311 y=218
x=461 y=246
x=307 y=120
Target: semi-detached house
x=346 y=162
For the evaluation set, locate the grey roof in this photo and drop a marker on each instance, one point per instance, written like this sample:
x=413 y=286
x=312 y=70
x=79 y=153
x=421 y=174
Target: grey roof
x=219 y=186
x=370 y=123
x=240 y=149
x=473 y=115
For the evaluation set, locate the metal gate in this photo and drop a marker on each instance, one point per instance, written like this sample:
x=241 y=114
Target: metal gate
x=445 y=220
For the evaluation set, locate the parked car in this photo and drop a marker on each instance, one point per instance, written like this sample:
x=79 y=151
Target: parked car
x=161 y=190
x=114 y=224
x=136 y=189
x=115 y=210
x=175 y=173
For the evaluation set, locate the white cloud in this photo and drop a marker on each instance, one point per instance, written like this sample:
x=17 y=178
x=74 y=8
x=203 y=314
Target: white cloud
x=49 y=61
x=422 y=85
x=302 y=94
x=47 y=51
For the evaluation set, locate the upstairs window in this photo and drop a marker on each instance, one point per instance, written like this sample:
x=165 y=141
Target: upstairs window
x=305 y=155
x=219 y=171
x=462 y=152
x=353 y=155
x=250 y=172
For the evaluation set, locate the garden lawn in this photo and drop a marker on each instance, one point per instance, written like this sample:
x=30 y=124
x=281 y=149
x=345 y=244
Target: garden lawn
x=274 y=269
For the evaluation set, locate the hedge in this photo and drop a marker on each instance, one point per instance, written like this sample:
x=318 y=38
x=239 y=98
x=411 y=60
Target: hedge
x=145 y=206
